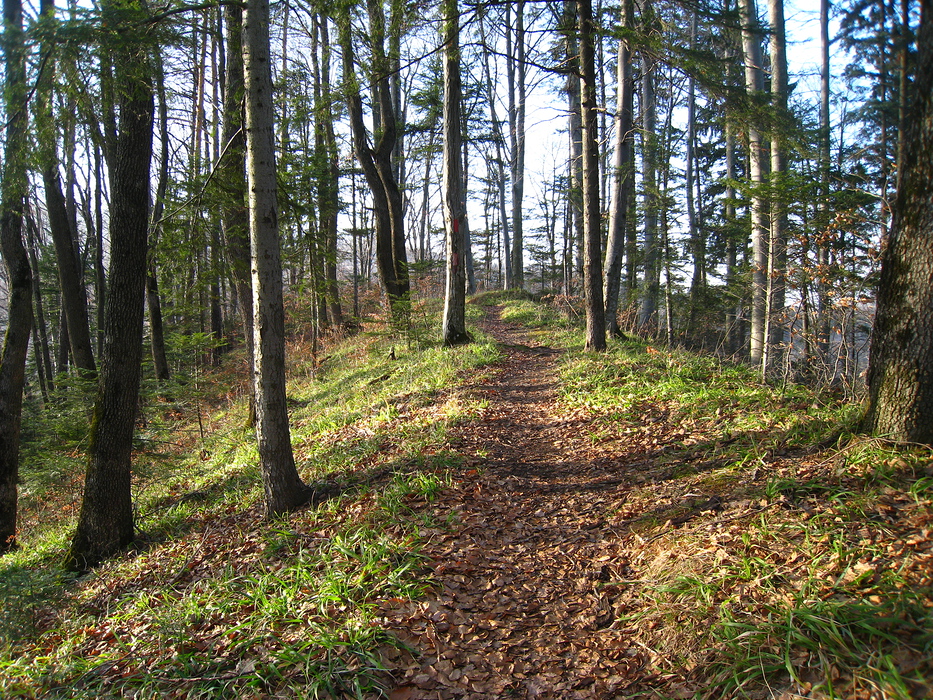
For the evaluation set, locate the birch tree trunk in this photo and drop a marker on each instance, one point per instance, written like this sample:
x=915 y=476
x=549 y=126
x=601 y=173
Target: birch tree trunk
x=777 y=242
x=754 y=86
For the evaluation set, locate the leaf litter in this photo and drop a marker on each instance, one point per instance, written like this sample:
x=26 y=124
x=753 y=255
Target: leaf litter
x=574 y=554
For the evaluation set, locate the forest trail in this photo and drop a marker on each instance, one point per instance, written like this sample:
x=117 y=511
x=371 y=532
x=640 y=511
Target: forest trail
x=529 y=579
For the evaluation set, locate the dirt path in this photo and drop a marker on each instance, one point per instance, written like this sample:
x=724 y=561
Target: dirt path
x=528 y=583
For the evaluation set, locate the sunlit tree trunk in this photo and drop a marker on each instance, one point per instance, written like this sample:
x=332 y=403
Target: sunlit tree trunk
x=754 y=86
x=777 y=241
x=900 y=375
x=454 y=327
x=592 y=256
x=622 y=173
x=283 y=487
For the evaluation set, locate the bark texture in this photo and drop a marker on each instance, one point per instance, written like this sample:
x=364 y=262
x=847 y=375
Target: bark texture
x=754 y=86
x=454 y=329
x=900 y=372
x=105 y=524
x=592 y=254
x=19 y=305
x=283 y=488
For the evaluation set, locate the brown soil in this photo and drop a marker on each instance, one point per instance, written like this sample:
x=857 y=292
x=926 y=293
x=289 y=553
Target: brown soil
x=529 y=581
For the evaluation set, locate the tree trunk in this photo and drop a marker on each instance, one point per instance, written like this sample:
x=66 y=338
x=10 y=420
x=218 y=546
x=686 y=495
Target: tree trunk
x=823 y=299
x=454 y=328
x=647 y=318
x=754 y=86
x=777 y=242
x=74 y=296
x=622 y=174
x=501 y=180
x=376 y=162
x=696 y=236
x=592 y=255
x=575 y=127
x=19 y=274
x=733 y=329
x=105 y=524
x=45 y=356
x=900 y=375
x=331 y=200
x=284 y=489
x=153 y=297
x=516 y=79
x=232 y=182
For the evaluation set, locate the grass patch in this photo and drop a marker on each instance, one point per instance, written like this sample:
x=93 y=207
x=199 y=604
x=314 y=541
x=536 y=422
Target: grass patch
x=214 y=602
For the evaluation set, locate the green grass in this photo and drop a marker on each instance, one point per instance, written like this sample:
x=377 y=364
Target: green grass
x=215 y=602
x=811 y=579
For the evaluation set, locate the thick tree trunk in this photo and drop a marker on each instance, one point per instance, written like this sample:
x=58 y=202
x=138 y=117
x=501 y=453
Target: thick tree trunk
x=105 y=524
x=283 y=488
x=900 y=375
x=19 y=304
x=454 y=327
x=592 y=256
x=622 y=174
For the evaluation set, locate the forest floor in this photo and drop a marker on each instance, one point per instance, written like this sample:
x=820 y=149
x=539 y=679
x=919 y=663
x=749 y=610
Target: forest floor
x=530 y=584
x=582 y=547
x=514 y=518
